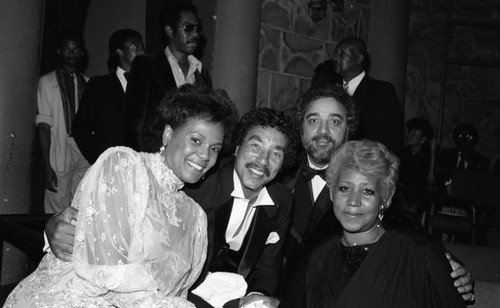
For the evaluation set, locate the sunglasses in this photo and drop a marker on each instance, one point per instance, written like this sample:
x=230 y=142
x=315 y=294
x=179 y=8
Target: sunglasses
x=190 y=28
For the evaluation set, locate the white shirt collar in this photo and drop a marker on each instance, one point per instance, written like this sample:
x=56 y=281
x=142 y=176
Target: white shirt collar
x=262 y=199
x=194 y=64
x=120 y=73
x=353 y=84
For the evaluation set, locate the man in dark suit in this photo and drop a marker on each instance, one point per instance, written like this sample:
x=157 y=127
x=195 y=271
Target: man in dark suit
x=462 y=157
x=380 y=115
x=152 y=76
x=326 y=116
x=249 y=214
x=98 y=122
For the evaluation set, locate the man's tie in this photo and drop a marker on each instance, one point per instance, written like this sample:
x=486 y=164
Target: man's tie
x=309 y=173
x=126 y=75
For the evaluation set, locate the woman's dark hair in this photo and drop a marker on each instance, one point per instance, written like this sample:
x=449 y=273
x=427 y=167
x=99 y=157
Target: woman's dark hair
x=266 y=117
x=421 y=124
x=187 y=103
x=117 y=41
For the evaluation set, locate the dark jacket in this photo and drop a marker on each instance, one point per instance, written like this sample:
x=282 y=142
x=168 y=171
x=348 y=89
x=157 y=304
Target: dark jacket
x=150 y=80
x=380 y=115
x=98 y=122
x=261 y=263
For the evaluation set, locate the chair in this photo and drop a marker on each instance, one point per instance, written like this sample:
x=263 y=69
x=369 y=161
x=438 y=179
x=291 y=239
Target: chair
x=454 y=217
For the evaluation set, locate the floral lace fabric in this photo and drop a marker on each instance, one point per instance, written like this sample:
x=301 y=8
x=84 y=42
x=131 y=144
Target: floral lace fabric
x=139 y=242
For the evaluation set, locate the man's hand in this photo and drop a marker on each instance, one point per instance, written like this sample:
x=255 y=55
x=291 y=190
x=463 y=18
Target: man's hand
x=463 y=280
x=61 y=233
x=265 y=301
x=50 y=179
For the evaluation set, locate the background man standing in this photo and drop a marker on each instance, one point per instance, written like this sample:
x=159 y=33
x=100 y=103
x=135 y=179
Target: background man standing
x=98 y=123
x=153 y=75
x=380 y=115
x=59 y=94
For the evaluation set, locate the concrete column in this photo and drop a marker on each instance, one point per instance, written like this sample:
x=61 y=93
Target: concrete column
x=236 y=50
x=21 y=28
x=388 y=42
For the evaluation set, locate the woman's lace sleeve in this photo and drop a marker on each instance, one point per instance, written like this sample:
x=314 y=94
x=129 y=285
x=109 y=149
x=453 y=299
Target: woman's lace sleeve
x=108 y=251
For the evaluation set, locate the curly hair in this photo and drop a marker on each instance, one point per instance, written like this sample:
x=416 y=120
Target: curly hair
x=266 y=117
x=371 y=158
x=187 y=103
x=334 y=91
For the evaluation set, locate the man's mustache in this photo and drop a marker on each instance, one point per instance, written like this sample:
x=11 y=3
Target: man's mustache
x=259 y=167
x=324 y=137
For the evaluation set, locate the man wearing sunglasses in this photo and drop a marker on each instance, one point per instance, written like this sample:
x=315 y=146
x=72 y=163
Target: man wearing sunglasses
x=153 y=75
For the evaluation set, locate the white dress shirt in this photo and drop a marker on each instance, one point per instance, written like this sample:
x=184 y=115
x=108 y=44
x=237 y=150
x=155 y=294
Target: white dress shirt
x=353 y=84
x=194 y=64
x=240 y=205
x=317 y=182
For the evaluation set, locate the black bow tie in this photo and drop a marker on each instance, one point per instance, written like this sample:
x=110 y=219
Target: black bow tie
x=309 y=173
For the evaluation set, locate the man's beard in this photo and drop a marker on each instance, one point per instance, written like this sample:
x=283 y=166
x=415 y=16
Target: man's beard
x=321 y=154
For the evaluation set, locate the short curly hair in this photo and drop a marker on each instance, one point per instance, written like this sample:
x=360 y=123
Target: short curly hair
x=266 y=117
x=334 y=91
x=186 y=103
x=371 y=158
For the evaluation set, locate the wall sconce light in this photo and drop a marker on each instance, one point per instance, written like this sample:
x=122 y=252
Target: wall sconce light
x=318 y=8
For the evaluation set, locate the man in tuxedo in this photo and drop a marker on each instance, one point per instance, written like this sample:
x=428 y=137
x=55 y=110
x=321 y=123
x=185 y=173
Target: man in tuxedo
x=327 y=118
x=250 y=214
x=152 y=76
x=98 y=123
x=380 y=115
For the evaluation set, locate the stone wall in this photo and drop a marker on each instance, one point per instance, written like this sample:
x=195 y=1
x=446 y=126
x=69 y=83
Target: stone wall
x=462 y=48
x=291 y=46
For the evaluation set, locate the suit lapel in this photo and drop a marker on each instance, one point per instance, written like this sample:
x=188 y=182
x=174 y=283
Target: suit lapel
x=362 y=88
x=163 y=72
x=257 y=235
x=321 y=206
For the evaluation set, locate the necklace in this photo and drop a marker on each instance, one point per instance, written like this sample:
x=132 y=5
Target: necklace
x=374 y=237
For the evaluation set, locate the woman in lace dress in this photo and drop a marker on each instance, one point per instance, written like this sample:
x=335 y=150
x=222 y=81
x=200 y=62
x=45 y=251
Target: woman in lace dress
x=140 y=241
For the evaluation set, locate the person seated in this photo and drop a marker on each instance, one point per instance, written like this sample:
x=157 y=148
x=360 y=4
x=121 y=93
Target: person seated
x=369 y=266
x=140 y=241
x=417 y=162
x=462 y=157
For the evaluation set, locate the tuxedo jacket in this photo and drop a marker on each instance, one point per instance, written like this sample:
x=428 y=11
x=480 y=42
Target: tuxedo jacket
x=380 y=115
x=98 y=122
x=150 y=80
x=312 y=223
x=260 y=264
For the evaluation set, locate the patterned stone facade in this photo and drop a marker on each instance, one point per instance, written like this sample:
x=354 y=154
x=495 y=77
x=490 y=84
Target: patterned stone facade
x=291 y=46
x=472 y=91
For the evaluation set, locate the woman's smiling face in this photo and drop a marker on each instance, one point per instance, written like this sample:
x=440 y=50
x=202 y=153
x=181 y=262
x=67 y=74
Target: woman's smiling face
x=191 y=150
